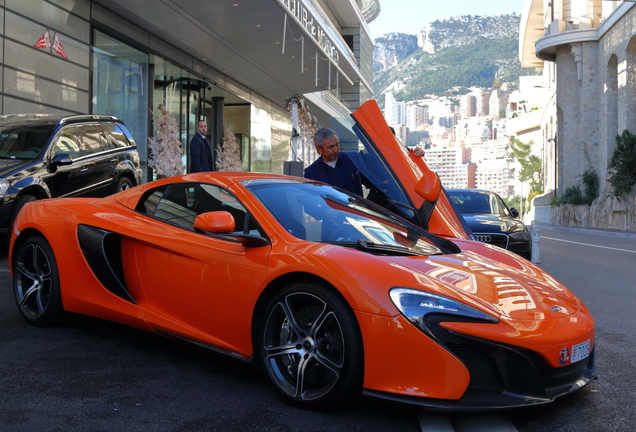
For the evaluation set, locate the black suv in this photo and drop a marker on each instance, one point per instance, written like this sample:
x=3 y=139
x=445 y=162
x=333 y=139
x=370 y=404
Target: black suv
x=49 y=156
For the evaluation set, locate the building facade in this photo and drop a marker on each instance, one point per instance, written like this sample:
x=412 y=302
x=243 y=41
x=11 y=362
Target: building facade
x=588 y=48
x=233 y=64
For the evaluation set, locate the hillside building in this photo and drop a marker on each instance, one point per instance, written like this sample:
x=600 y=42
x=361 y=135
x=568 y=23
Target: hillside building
x=497 y=103
x=394 y=111
x=453 y=166
x=416 y=115
x=467 y=106
x=482 y=102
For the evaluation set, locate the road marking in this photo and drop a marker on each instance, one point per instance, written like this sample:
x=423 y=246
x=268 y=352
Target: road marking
x=464 y=422
x=587 y=244
x=434 y=422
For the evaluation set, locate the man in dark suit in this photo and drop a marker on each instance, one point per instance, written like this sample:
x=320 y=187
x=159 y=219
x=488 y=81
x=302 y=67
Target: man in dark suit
x=333 y=167
x=200 y=150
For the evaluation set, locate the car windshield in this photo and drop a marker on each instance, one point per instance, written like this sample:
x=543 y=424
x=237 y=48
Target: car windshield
x=322 y=213
x=24 y=141
x=473 y=202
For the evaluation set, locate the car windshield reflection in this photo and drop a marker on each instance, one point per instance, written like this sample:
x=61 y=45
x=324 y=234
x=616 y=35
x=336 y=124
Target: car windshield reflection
x=478 y=202
x=322 y=213
x=24 y=142
x=380 y=181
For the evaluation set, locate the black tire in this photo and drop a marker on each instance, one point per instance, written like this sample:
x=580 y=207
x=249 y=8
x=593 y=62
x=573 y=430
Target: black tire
x=309 y=341
x=123 y=184
x=36 y=283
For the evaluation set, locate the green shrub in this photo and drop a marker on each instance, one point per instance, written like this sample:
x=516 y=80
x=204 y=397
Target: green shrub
x=591 y=182
x=573 y=195
x=624 y=164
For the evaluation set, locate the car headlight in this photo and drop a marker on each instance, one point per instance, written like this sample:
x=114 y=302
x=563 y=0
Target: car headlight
x=415 y=305
x=520 y=236
x=4 y=185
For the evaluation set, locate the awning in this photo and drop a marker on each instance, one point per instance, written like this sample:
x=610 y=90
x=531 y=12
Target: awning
x=259 y=43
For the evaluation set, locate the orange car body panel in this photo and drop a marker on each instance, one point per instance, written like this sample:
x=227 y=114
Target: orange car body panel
x=426 y=371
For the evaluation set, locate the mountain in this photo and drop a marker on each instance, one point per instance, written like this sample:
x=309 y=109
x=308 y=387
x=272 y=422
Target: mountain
x=459 y=51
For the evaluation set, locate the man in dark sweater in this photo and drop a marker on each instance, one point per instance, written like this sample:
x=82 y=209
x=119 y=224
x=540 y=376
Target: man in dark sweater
x=200 y=150
x=333 y=167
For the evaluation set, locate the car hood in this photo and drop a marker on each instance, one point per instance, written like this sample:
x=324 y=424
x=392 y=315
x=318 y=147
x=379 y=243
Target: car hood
x=487 y=223
x=509 y=287
x=9 y=165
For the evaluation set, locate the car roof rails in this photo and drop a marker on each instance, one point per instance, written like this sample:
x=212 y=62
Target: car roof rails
x=85 y=117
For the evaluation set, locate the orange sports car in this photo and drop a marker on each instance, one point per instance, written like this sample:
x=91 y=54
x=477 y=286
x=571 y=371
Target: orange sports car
x=331 y=293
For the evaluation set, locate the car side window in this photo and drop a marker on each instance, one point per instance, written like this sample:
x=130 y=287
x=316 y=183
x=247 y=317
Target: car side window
x=92 y=139
x=179 y=204
x=502 y=208
x=67 y=143
x=117 y=136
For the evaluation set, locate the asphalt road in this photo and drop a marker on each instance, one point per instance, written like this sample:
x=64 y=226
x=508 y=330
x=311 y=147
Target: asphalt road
x=600 y=270
x=93 y=375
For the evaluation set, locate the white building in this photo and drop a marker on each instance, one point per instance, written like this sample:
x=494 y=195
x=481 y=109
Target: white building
x=394 y=111
x=416 y=115
x=453 y=166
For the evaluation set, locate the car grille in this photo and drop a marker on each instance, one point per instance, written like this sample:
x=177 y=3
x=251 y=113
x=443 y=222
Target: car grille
x=500 y=240
x=495 y=368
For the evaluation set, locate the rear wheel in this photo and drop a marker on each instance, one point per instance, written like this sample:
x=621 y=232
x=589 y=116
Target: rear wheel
x=36 y=283
x=310 y=344
x=123 y=184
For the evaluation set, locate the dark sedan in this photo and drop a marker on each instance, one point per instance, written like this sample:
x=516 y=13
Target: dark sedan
x=491 y=220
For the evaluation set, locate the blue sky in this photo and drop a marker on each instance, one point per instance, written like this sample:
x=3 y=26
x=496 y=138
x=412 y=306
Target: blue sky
x=409 y=16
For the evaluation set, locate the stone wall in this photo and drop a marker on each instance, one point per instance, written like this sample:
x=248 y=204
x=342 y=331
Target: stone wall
x=605 y=212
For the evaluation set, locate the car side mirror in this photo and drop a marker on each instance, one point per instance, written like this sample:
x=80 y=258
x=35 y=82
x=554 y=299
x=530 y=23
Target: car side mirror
x=216 y=222
x=429 y=186
x=220 y=224
x=59 y=160
x=514 y=212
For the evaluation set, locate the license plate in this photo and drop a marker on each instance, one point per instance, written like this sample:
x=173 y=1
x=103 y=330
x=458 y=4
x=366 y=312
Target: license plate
x=580 y=351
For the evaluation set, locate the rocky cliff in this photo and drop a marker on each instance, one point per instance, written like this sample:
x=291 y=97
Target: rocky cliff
x=459 y=51
x=391 y=49
x=465 y=30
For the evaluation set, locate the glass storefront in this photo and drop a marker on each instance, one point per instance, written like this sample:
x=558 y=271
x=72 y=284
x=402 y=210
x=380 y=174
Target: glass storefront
x=120 y=80
x=99 y=72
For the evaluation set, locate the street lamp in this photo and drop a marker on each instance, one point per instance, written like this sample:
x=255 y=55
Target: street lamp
x=554 y=140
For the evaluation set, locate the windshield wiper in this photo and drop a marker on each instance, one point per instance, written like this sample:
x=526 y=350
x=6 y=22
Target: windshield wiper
x=379 y=248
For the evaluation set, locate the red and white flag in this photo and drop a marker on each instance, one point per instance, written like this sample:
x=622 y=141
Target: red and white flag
x=45 y=41
x=57 y=46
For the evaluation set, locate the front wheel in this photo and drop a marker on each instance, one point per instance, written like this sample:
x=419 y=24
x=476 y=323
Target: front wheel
x=36 y=283
x=310 y=344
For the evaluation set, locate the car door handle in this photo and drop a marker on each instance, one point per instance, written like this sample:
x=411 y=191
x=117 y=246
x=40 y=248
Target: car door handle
x=83 y=170
x=113 y=160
